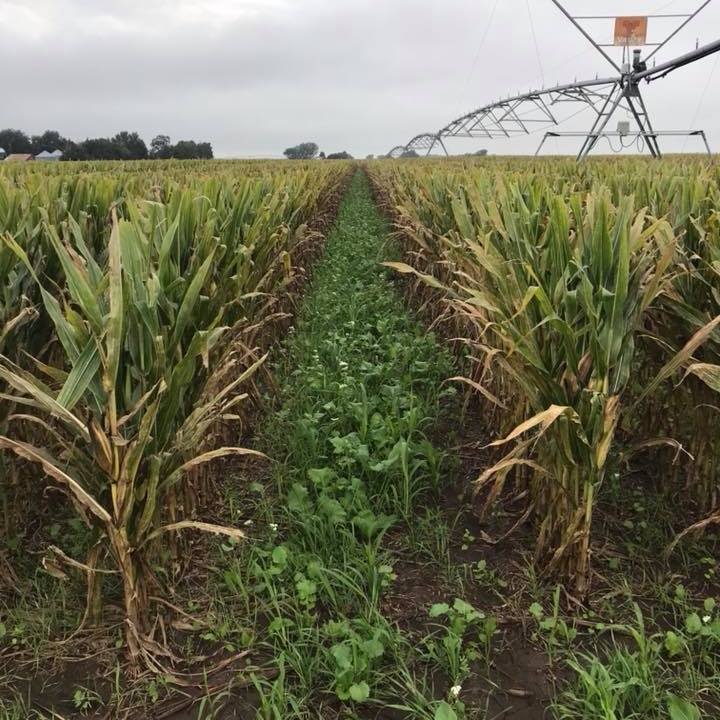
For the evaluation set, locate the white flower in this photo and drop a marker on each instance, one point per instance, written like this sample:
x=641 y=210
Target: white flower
x=455 y=690
x=248 y=523
x=707 y=619
x=273 y=527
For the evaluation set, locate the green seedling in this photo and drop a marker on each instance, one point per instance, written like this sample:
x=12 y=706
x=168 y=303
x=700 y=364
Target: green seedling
x=464 y=637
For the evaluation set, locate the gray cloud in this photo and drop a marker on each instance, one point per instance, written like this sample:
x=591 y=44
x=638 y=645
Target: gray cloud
x=254 y=76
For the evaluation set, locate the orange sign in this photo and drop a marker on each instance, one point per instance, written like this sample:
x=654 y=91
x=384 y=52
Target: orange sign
x=631 y=30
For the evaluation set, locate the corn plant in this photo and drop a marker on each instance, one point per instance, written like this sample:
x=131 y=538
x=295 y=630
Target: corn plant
x=144 y=329
x=555 y=290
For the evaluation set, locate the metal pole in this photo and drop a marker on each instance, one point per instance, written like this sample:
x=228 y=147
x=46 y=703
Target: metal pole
x=587 y=35
x=664 y=68
x=649 y=138
x=542 y=142
x=431 y=144
x=701 y=133
x=613 y=17
x=601 y=122
x=678 y=29
x=647 y=120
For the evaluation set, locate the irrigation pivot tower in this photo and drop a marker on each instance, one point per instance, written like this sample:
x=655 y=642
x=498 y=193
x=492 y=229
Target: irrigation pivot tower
x=525 y=113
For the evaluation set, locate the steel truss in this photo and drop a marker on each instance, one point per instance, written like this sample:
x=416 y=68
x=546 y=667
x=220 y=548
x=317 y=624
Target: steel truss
x=634 y=137
x=526 y=113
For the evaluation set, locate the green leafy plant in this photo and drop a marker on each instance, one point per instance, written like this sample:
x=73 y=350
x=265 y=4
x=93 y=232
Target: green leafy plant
x=553 y=628
x=464 y=637
x=85 y=699
x=355 y=656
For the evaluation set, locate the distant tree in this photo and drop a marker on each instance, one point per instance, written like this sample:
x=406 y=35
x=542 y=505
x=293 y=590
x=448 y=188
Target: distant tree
x=160 y=147
x=50 y=140
x=322 y=156
x=123 y=146
x=15 y=141
x=409 y=154
x=190 y=150
x=130 y=146
x=303 y=151
x=74 y=151
x=100 y=149
x=344 y=155
x=183 y=150
x=481 y=153
x=370 y=157
x=205 y=151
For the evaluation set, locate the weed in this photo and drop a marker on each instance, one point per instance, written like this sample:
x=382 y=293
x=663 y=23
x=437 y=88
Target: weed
x=553 y=629
x=649 y=675
x=84 y=699
x=360 y=390
x=463 y=638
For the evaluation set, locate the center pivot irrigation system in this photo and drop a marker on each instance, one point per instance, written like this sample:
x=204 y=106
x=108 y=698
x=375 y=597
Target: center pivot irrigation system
x=523 y=114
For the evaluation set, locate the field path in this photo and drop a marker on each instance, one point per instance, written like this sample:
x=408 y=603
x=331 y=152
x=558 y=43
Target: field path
x=360 y=548
x=361 y=386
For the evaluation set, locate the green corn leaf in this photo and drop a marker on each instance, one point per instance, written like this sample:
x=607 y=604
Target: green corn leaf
x=84 y=372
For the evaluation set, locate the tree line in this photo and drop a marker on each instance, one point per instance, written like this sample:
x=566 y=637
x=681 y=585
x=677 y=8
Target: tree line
x=310 y=151
x=123 y=146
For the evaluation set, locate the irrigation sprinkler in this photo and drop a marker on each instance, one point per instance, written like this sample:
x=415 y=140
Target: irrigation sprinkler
x=525 y=113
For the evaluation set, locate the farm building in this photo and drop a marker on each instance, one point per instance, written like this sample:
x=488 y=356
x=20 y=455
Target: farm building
x=19 y=157
x=46 y=156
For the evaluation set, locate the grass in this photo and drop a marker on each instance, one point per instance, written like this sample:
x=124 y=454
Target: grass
x=361 y=396
x=646 y=643
x=646 y=673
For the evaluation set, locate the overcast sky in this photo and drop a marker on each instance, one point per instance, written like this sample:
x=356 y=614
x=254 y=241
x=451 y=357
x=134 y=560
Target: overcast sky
x=254 y=76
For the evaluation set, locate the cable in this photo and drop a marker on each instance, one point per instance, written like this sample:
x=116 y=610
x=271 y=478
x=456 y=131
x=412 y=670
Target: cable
x=702 y=100
x=482 y=44
x=555 y=124
x=609 y=142
x=570 y=58
x=663 y=7
x=537 y=48
x=638 y=141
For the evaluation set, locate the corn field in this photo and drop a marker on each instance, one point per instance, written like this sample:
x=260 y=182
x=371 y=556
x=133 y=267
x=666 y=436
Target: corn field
x=135 y=307
x=242 y=476
x=587 y=301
